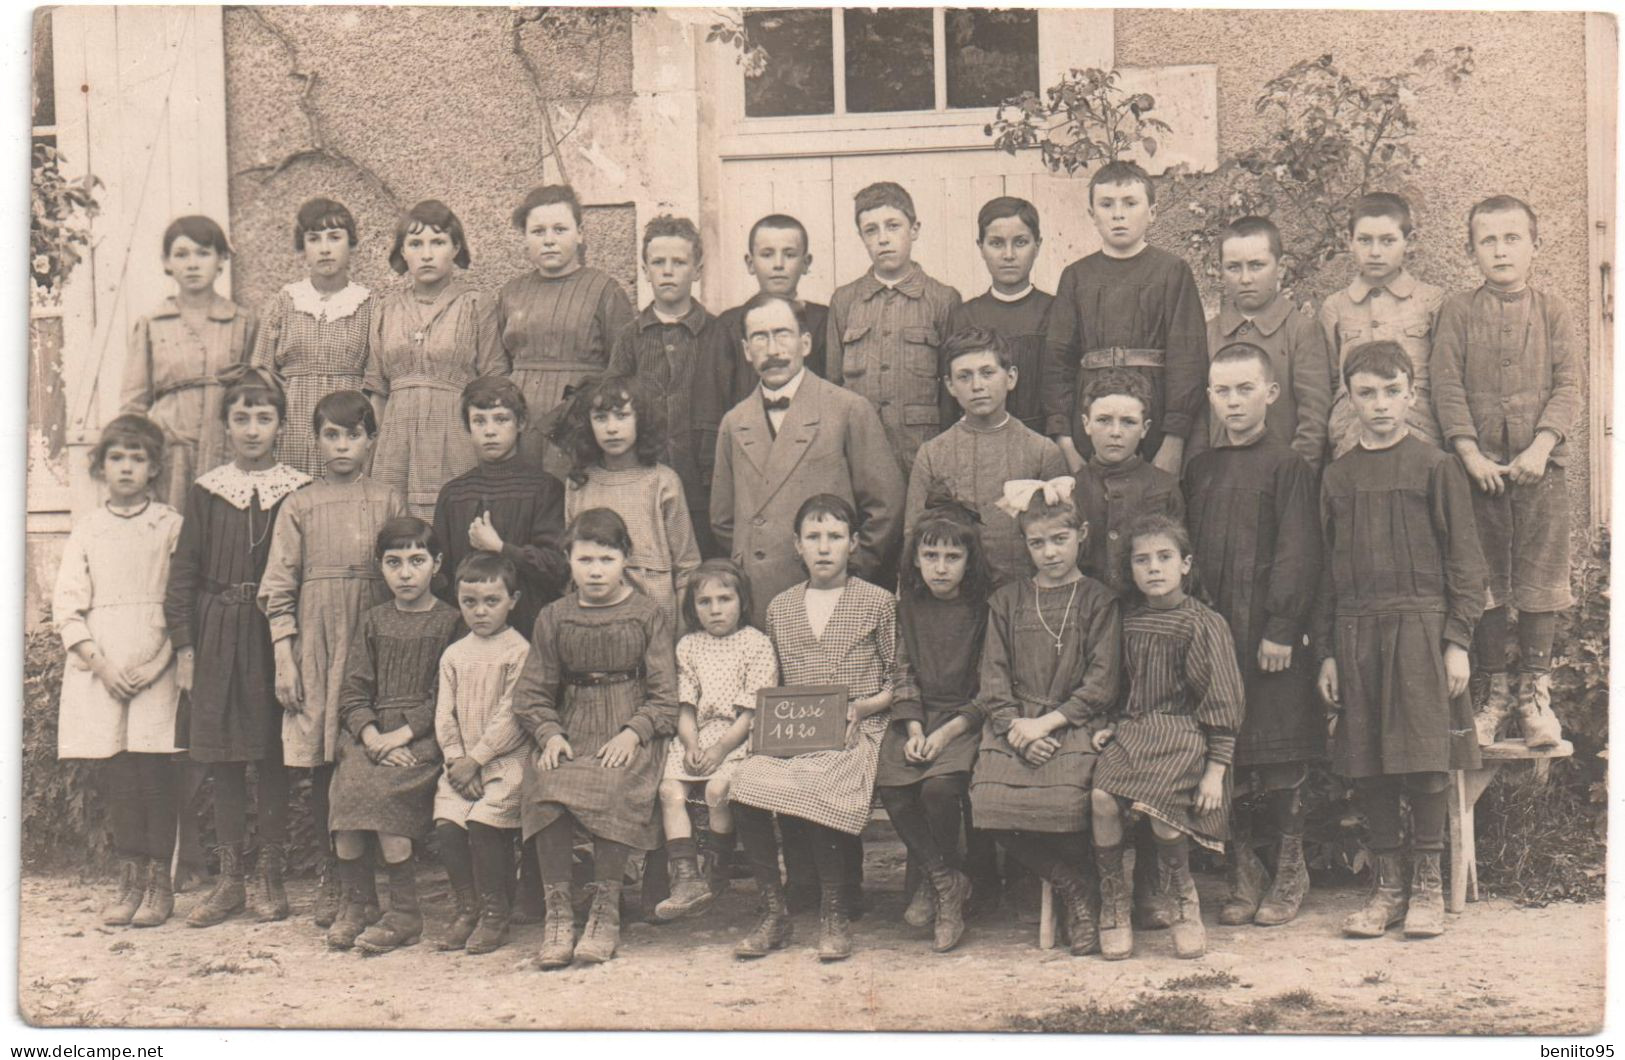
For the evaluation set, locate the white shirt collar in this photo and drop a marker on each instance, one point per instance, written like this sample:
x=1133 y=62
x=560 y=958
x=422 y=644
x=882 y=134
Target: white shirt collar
x=788 y=390
x=1018 y=296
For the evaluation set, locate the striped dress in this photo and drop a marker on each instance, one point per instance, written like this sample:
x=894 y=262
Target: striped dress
x=1026 y=675
x=473 y=718
x=858 y=650
x=556 y=697
x=390 y=681
x=319 y=580
x=650 y=499
x=1185 y=704
x=420 y=356
x=556 y=330
x=319 y=344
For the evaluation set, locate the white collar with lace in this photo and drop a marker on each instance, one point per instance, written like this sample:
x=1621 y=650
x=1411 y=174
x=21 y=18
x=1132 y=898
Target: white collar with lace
x=336 y=306
x=237 y=487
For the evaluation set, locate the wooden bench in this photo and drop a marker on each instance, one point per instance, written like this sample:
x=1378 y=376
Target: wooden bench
x=1466 y=786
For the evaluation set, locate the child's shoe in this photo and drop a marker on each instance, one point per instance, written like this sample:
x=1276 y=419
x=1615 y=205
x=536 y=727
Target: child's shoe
x=773 y=930
x=228 y=896
x=1248 y=880
x=1386 y=905
x=1078 y=892
x=690 y=894
x=922 y=907
x=465 y=914
x=351 y=919
x=1541 y=729
x=1497 y=710
x=716 y=856
x=1153 y=909
x=491 y=933
x=603 y=931
x=834 y=928
x=1116 y=905
x=953 y=891
x=132 y=875
x=403 y=924
x=1424 y=919
x=1190 y=937
x=1286 y=893
x=270 y=899
x=158 y=900
x=559 y=928
x=329 y=889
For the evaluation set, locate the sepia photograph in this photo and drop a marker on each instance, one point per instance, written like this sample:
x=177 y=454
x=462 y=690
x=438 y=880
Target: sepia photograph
x=875 y=519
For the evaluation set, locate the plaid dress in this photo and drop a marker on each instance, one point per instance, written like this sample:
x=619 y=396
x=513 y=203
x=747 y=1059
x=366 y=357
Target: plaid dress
x=859 y=650
x=420 y=356
x=592 y=672
x=1185 y=703
x=319 y=346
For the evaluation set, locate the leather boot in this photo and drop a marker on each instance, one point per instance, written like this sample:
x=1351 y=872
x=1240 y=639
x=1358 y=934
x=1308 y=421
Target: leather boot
x=558 y=927
x=491 y=932
x=270 y=898
x=329 y=890
x=1116 y=905
x=953 y=891
x=228 y=895
x=403 y=924
x=1153 y=909
x=1286 y=893
x=1424 y=919
x=158 y=900
x=1078 y=894
x=463 y=918
x=1498 y=706
x=834 y=929
x=1247 y=880
x=603 y=931
x=690 y=894
x=1540 y=727
x=350 y=921
x=922 y=907
x=773 y=930
x=716 y=856
x=1190 y=937
x=1386 y=904
x=132 y=877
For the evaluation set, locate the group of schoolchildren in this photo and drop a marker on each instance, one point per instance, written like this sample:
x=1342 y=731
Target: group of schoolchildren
x=1127 y=590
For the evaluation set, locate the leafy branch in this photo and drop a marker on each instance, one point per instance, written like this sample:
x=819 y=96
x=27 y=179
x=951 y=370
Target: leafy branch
x=732 y=29
x=1084 y=120
x=59 y=227
x=596 y=24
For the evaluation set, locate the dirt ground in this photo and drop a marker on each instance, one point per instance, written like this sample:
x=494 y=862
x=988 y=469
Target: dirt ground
x=1498 y=969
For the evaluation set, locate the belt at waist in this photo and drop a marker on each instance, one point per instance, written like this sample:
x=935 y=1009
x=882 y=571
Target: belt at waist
x=1124 y=357
x=127 y=601
x=195 y=382
x=367 y=573
x=424 y=382
x=326 y=373
x=559 y=366
x=595 y=678
x=232 y=592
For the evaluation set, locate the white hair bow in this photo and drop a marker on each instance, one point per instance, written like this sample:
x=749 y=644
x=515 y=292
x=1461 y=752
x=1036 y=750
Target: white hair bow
x=1019 y=493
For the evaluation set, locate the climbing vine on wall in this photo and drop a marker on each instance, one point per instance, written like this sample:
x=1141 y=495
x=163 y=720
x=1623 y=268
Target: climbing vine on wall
x=59 y=227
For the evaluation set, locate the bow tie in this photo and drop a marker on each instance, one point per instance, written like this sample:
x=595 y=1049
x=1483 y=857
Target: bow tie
x=776 y=404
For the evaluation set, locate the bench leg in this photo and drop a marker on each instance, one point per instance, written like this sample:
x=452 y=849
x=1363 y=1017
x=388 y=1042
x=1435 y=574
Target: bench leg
x=1046 y=916
x=1461 y=831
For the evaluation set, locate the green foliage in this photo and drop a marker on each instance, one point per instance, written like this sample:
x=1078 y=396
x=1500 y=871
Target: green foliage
x=1329 y=139
x=60 y=225
x=1084 y=120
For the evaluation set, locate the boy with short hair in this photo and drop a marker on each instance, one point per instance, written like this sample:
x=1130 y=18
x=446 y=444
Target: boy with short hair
x=1401 y=589
x=1118 y=484
x=987 y=447
x=506 y=503
x=1383 y=302
x=1254 y=530
x=1127 y=306
x=476 y=805
x=1507 y=382
x=886 y=326
x=777 y=258
x=1008 y=237
x=661 y=347
x=1256 y=312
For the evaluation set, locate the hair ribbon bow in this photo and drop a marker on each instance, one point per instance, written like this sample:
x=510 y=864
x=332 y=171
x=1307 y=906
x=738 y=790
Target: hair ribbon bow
x=1019 y=493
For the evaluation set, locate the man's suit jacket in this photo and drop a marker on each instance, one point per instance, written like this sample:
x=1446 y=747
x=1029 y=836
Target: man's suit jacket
x=831 y=441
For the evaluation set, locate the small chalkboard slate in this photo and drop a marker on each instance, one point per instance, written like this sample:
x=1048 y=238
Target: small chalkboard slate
x=798 y=720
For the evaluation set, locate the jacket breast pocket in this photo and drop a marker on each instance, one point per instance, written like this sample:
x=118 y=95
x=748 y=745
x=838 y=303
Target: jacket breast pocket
x=854 y=358
x=920 y=350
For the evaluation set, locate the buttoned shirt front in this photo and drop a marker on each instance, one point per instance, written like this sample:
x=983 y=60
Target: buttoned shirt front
x=1297 y=349
x=1403 y=311
x=661 y=353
